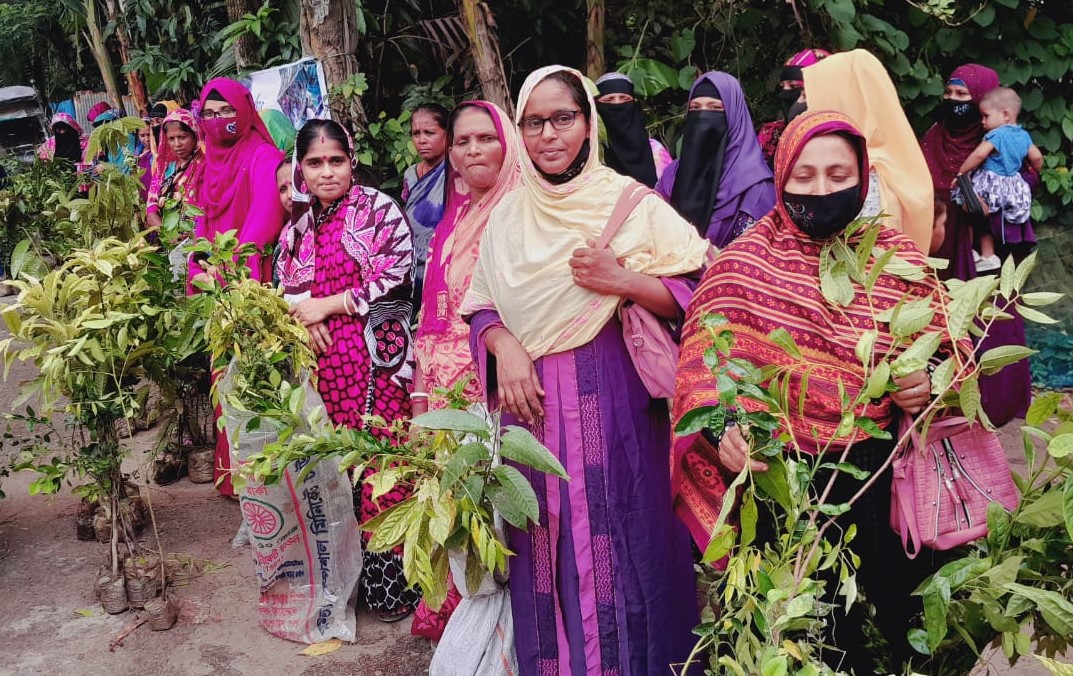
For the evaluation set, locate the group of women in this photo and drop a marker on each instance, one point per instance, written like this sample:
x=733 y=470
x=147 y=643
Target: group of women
x=520 y=309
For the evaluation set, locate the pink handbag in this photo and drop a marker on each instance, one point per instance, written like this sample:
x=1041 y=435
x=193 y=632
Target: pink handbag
x=648 y=338
x=940 y=490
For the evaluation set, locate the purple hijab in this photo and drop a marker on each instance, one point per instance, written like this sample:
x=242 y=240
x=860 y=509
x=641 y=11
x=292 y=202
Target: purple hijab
x=746 y=184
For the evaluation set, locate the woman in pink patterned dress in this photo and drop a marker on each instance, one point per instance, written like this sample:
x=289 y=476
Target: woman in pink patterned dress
x=346 y=267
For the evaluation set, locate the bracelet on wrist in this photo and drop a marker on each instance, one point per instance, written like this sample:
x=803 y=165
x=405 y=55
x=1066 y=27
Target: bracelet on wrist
x=419 y=395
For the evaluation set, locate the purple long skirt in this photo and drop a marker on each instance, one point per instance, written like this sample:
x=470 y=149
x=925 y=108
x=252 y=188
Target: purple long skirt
x=604 y=584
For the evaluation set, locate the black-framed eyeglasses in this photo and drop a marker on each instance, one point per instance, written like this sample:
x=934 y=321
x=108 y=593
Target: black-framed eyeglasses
x=226 y=111
x=560 y=121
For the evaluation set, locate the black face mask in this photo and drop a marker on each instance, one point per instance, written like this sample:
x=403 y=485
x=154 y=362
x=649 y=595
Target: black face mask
x=795 y=110
x=822 y=216
x=957 y=114
x=787 y=99
x=700 y=166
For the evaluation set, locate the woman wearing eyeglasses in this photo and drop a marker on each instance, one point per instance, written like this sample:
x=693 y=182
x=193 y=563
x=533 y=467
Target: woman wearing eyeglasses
x=604 y=582
x=238 y=192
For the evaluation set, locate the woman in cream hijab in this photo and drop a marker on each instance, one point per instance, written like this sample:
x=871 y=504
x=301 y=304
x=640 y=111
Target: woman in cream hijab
x=856 y=84
x=604 y=582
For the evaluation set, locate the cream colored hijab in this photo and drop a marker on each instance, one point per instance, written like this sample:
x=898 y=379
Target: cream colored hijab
x=856 y=84
x=523 y=269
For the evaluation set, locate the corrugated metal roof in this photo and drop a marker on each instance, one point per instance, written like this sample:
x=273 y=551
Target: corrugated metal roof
x=85 y=100
x=16 y=93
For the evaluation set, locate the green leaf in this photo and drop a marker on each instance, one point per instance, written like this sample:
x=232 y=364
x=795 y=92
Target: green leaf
x=912 y=318
x=465 y=458
x=1045 y=511
x=650 y=77
x=682 y=45
x=523 y=448
x=1054 y=666
x=696 y=420
x=848 y=468
x=775 y=665
x=774 y=483
x=864 y=346
x=1067 y=505
x=994 y=359
x=870 y=426
x=452 y=420
x=878 y=380
x=918 y=639
x=720 y=544
x=969 y=398
x=1043 y=407
x=1061 y=445
x=916 y=356
x=1035 y=315
x=389 y=527
x=747 y=519
x=513 y=497
x=831 y=509
x=1040 y=298
x=783 y=339
x=1006 y=277
x=936 y=607
x=1024 y=269
x=1057 y=611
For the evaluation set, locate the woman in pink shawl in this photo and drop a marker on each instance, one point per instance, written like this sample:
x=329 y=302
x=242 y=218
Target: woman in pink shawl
x=178 y=165
x=238 y=192
x=482 y=153
x=483 y=156
x=346 y=267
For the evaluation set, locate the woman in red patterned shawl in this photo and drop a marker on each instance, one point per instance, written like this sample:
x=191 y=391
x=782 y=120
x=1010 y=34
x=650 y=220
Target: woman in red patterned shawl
x=346 y=268
x=768 y=279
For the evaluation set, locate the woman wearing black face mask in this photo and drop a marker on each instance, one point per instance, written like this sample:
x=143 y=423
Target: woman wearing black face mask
x=955 y=134
x=790 y=94
x=767 y=280
x=1007 y=394
x=720 y=182
x=629 y=150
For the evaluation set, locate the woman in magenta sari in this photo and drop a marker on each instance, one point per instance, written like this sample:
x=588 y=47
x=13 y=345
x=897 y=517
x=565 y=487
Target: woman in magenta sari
x=1006 y=394
x=603 y=583
x=237 y=192
x=346 y=265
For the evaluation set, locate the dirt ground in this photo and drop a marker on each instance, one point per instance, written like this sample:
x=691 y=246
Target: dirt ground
x=50 y=622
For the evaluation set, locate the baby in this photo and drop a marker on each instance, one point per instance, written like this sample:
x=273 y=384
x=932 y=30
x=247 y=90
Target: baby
x=998 y=181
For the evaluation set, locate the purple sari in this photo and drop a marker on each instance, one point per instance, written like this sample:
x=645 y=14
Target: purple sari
x=604 y=583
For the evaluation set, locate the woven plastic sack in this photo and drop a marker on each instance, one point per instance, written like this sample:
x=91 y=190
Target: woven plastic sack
x=479 y=638
x=304 y=537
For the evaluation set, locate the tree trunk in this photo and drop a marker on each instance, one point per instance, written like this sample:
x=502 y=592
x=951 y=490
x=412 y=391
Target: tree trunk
x=484 y=41
x=594 y=39
x=134 y=79
x=245 y=47
x=329 y=32
x=95 y=39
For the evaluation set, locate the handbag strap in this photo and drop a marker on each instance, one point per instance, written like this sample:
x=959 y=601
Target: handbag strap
x=625 y=205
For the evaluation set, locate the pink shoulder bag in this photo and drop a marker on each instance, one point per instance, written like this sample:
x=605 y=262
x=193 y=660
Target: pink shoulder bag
x=648 y=338
x=941 y=489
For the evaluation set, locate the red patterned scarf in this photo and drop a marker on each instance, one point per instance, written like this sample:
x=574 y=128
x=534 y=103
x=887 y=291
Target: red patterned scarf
x=769 y=279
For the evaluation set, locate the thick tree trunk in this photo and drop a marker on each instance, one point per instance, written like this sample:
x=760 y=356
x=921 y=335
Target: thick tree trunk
x=594 y=39
x=245 y=47
x=95 y=39
x=134 y=79
x=330 y=34
x=484 y=41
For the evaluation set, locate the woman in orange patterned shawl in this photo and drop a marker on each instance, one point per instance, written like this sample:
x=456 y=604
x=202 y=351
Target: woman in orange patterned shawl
x=768 y=279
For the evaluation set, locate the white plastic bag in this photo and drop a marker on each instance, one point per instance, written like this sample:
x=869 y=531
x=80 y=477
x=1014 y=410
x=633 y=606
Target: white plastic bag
x=479 y=638
x=304 y=537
